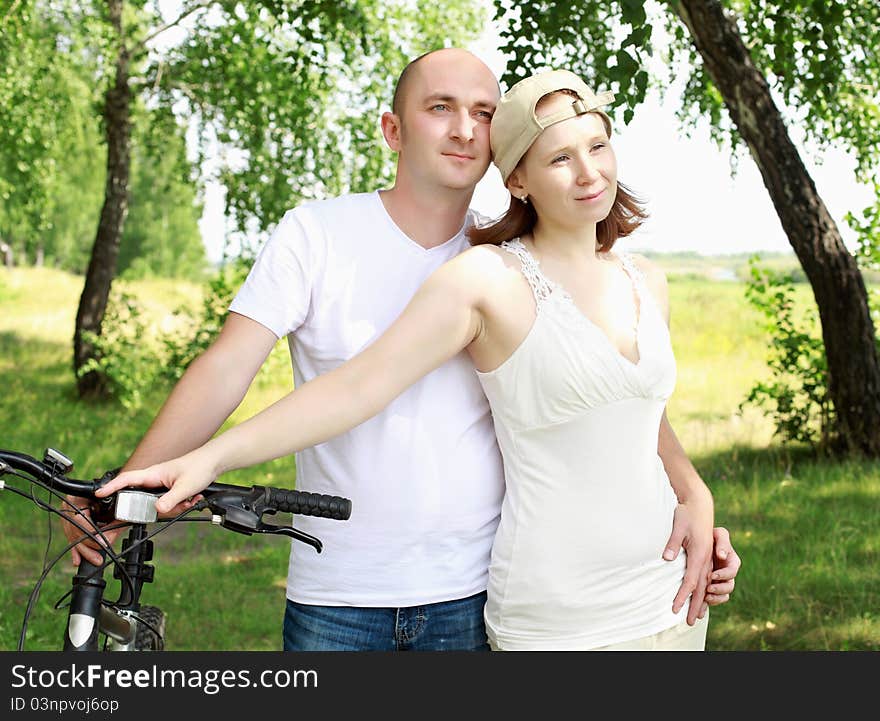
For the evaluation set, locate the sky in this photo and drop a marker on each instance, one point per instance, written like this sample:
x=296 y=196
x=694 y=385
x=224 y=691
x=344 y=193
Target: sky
x=694 y=202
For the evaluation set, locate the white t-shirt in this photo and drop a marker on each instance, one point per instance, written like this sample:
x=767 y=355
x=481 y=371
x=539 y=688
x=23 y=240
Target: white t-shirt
x=425 y=475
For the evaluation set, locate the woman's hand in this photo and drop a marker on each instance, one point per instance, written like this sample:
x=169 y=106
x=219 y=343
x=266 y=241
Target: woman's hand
x=692 y=530
x=184 y=477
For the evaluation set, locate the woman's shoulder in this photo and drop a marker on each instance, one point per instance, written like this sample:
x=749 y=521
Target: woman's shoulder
x=479 y=268
x=487 y=258
x=654 y=277
x=649 y=269
x=483 y=272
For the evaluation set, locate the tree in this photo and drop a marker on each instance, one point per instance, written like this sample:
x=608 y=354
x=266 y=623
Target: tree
x=286 y=92
x=820 y=58
x=49 y=180
x=161 y=236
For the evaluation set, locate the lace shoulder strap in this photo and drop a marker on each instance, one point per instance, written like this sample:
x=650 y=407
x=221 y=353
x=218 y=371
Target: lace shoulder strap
x=633 y=271
x=541 y=287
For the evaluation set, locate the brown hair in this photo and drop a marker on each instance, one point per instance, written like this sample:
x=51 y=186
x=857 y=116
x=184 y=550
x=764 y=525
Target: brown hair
x=625 y=216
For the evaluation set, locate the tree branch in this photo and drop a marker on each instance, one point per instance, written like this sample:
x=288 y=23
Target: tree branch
x=9 y=12
x=180 y=18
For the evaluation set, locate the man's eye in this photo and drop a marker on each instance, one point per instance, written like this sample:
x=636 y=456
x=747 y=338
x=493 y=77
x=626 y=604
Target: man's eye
x=440 y=106
x=598 y=146
x=485 y=114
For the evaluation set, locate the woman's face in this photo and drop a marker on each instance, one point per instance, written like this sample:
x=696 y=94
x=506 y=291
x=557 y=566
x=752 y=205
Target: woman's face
x=570 y=172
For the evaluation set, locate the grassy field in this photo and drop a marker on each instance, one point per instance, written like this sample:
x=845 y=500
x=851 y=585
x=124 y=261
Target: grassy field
x=808 y=530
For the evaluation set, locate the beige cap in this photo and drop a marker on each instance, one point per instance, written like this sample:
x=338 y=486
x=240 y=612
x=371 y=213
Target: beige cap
x=514 y=124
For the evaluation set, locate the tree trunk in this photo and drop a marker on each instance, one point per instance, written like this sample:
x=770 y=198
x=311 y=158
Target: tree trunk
x=102 y=264
x=6 y=249
x=847 y=329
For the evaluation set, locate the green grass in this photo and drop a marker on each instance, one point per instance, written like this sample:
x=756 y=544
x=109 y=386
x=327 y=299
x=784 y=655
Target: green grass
x=808 y=530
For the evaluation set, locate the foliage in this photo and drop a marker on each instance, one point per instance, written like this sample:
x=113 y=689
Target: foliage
x=123 y=354
x=161 y=236
x=183 y=347
x=606 y=43
x=50 y=178
x=291 y=92
x=135 y=356
x=286 y=95
x=867 y=227
x=796 y=396
x=820 y=56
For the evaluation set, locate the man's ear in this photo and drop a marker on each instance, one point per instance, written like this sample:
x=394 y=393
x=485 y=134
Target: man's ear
x=391 y=130
x=516 y=184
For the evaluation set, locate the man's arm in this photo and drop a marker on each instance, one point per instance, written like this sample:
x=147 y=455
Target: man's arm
x=206 y=395
x=726 y=563
x=442 y=318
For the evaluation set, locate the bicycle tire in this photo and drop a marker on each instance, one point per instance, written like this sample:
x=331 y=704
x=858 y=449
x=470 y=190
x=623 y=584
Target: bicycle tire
x=151 y=633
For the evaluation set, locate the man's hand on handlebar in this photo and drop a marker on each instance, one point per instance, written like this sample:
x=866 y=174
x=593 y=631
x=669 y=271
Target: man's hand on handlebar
x=87 y=548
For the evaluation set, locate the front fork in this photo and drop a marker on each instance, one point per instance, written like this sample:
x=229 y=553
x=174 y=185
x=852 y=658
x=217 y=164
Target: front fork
x=85 y=607
x=87 y=615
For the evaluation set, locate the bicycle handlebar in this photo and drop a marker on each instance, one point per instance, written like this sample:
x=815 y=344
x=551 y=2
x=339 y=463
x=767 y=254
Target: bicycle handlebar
x=225 y=497
x=49 y=474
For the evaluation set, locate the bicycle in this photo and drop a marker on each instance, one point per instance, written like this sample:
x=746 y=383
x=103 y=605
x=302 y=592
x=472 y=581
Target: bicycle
x=125 y=624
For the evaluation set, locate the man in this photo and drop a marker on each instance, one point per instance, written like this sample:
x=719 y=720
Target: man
x=409 y=570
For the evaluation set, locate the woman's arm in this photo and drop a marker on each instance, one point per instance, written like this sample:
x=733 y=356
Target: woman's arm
x=695 y=513
x=692 y=525
x=441 y=319
x=692 y=492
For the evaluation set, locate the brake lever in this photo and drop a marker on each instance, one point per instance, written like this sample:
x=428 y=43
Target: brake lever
x=292 y=533
x=247 y=522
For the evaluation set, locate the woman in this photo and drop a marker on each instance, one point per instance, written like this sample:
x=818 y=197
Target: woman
x=571 y=345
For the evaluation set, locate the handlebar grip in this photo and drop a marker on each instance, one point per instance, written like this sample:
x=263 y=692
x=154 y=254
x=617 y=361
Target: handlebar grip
x=309 y=504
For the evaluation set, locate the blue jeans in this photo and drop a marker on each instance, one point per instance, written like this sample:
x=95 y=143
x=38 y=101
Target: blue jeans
x=447 y=626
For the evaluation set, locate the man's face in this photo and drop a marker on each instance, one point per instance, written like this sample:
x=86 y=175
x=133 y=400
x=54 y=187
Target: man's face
x=444 y=120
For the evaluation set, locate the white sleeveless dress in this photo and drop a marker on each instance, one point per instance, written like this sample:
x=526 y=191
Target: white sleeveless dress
x=588 y=508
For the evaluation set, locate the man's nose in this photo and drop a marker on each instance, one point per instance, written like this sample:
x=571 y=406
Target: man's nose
x=462 y=128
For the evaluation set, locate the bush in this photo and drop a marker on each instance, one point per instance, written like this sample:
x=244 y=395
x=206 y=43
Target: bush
x=796 y=398
x=123 y=354
x=134 y=358
x=183 y=347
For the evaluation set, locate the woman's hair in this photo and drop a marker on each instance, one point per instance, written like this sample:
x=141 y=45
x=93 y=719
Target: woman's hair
x=627 y=214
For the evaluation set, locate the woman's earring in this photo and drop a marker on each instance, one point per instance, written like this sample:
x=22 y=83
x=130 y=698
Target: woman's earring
x=524 y=199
